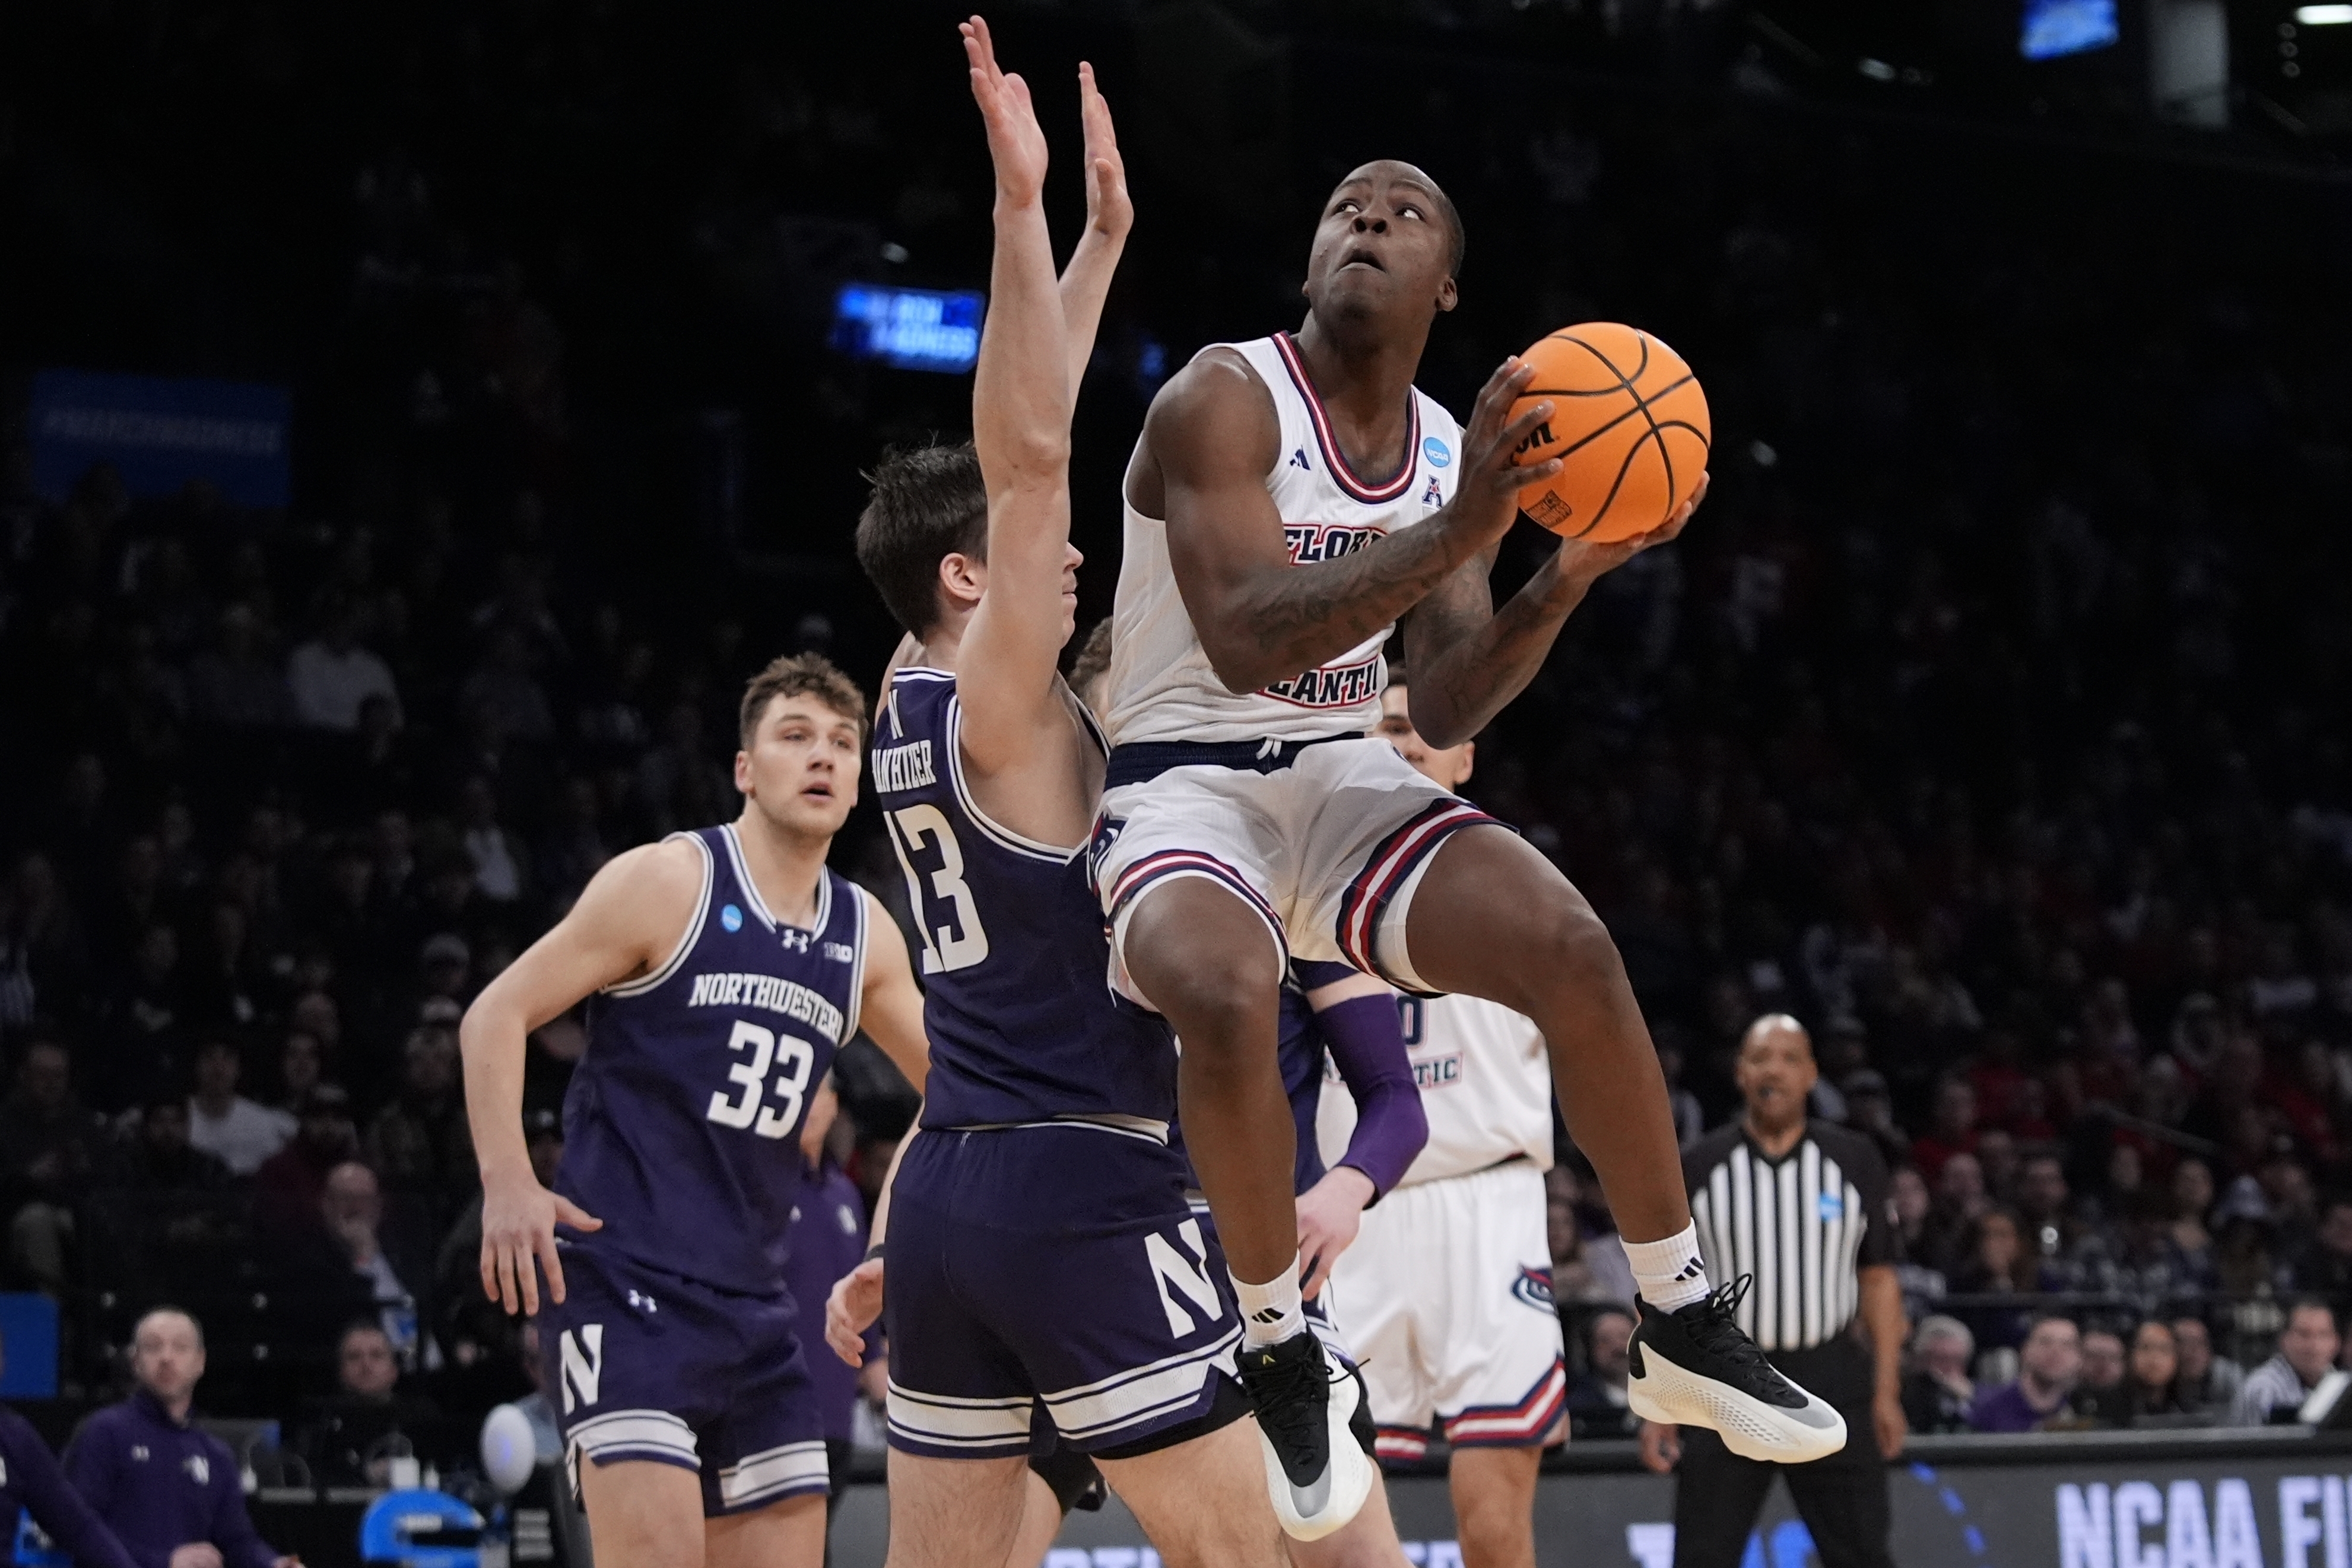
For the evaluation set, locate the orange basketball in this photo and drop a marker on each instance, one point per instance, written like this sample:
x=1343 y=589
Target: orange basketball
x=1629 y=420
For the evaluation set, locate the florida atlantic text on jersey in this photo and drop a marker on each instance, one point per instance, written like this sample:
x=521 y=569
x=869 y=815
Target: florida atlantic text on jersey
x=1162 y=686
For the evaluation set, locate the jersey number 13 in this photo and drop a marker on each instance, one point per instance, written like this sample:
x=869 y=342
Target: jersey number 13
x=952 y=937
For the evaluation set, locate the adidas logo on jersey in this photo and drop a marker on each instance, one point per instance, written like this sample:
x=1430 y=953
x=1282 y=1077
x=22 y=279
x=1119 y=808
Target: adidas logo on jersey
x=1299 y=460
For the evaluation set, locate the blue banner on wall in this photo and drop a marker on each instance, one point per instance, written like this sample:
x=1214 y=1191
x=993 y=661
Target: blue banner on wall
x=28 y=1327
x=160 y=433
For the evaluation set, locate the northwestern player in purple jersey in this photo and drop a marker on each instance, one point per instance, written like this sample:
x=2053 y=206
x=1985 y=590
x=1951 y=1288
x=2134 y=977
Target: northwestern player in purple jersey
x=722 y=968
x=1047 y=1279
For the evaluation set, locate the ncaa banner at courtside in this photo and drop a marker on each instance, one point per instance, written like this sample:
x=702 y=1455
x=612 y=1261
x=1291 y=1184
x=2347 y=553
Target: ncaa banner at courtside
x=2270 y=1499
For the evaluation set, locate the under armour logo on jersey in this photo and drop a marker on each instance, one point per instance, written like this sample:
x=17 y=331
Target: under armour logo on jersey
x=1299 y=460
x=796 y=941
x=643 y=1302
x=199 y=1468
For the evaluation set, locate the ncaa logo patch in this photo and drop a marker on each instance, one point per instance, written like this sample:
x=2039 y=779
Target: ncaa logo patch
x=1830 y=1207
x=1439 y=454
x=1534 y=1288
x=732 y=918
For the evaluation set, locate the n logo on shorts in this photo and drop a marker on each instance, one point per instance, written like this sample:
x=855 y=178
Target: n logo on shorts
x=1170 y=1267
x=583 y=1371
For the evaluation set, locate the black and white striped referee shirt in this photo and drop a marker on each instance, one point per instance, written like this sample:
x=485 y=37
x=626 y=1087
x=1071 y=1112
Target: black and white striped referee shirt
x=1804 y=1224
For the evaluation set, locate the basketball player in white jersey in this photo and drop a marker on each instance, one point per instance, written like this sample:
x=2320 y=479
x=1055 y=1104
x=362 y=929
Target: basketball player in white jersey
x=1446 y=1295
x=1291 y=498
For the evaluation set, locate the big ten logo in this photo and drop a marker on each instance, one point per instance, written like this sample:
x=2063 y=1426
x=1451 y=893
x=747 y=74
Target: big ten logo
x=1788 y=1544
x=1312 y=541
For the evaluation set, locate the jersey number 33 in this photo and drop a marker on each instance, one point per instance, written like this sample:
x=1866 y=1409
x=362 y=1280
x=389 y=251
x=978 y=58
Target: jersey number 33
x=791 y=1059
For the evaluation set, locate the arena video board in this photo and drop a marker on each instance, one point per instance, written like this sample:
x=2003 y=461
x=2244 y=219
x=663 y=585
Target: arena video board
x=909 y=329
x=2243 y=1511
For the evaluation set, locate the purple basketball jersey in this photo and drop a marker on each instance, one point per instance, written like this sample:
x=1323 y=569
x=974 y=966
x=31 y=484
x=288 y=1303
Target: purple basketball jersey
x=1022 y=1022
x=682 y=1127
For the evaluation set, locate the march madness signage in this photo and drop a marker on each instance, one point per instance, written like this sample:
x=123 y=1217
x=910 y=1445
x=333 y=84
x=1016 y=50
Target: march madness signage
x=158 y=433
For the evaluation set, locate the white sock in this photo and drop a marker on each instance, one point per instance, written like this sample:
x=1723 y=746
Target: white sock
x=1271 y=1313
x=1668 y=1273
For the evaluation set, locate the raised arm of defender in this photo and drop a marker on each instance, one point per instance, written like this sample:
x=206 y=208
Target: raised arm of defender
x=1020 y=428
x=1021 y=741
x=1086 y=281
x=1208 y=444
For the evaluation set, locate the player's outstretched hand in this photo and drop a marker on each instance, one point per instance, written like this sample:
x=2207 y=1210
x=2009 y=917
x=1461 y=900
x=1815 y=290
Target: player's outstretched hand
x=1109 y=212
x=1662 y=1447
x=1583 y=562
x=1014 y=140
x=850 y=1310
x=1330 y=1212
x=1486 y=498
x=519 y=1221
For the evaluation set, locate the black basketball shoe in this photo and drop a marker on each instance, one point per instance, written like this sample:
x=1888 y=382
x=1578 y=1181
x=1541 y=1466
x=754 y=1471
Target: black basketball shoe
x=1694 y=1367
x=1316 y=1471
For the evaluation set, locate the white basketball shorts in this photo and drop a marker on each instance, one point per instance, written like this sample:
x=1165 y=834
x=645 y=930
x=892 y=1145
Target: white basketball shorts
x=1325 y=841
x=1445 y=1298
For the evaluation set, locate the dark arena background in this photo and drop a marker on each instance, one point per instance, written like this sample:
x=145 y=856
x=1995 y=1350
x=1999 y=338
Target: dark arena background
x=419 y=422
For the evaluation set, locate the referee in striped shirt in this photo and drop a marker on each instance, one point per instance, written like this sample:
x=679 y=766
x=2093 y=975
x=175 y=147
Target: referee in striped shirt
x=1804 y=1208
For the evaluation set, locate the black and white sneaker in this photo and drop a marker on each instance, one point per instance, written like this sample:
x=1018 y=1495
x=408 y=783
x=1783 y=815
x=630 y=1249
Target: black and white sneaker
x=1316 y=1472
x=1694 y=1367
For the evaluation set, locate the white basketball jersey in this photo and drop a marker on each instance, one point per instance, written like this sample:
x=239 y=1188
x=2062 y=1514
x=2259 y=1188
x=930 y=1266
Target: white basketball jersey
x=1161 y=687
x=1485 y=1087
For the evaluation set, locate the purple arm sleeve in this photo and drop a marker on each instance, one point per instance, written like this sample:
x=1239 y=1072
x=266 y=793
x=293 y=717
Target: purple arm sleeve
x=1368 y=1046
x=53 y=1504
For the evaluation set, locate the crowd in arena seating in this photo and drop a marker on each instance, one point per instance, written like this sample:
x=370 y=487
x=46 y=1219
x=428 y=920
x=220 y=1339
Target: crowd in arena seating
x=1989 y=719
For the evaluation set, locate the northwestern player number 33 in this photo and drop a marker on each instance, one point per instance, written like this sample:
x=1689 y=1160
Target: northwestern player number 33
x=790 y=1058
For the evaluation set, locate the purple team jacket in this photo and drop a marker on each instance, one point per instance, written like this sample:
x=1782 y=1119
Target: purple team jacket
x=161 y=1484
